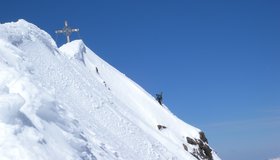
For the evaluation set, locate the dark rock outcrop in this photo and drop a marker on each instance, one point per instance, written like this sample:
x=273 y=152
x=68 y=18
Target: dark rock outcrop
x=203 y=137
x=203 y=151
x=160 y=127
x=191 y=141
x=185 y=147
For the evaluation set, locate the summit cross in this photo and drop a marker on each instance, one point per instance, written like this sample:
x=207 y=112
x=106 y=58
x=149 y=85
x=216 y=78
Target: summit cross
x=67 y=31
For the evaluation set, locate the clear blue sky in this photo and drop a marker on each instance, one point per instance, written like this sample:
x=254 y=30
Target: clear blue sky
x=217 y=62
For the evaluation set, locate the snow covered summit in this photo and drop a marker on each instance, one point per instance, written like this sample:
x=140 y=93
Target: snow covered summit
x=67 y=103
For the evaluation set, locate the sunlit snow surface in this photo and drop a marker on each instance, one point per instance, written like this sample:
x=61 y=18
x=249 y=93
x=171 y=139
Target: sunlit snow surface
x=67 y=103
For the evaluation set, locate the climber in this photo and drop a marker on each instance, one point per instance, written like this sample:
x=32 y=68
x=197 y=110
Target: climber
x=96 y=69
x=159 y=98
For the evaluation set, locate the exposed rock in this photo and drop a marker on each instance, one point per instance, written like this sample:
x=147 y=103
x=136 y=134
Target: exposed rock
x=207 y=151
x=195 y=155
x=203 y=137
x=160 y=127
x=203 y=151
x=199 y=142
x=191 y=141
x=185 y=147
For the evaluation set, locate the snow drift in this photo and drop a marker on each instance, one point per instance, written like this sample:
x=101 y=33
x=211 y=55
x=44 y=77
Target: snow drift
x=67 y=103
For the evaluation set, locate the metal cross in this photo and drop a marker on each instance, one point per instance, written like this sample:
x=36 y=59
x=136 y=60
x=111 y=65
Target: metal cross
x=67 y=31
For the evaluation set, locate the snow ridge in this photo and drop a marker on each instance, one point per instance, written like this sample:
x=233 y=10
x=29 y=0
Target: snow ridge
x=68 y=103
x=76 y=50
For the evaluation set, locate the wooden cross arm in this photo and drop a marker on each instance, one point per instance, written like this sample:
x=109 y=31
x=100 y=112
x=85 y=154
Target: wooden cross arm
x=74 y=30
x=59 y=31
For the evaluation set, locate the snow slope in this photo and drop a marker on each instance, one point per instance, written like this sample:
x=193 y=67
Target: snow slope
x=67 y=103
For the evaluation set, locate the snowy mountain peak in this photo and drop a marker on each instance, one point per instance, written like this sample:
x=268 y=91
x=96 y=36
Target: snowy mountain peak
x=75 y=49
x=52 y=106
x=21 y=32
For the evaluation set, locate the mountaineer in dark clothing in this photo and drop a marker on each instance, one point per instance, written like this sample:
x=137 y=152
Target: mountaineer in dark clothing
x=96 y=69
x=159 y=98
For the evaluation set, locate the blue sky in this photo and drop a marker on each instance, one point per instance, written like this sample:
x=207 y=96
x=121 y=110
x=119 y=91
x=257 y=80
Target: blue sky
x=217 y=62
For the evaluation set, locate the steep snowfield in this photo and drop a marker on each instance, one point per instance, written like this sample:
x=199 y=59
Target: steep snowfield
x=67 y=103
